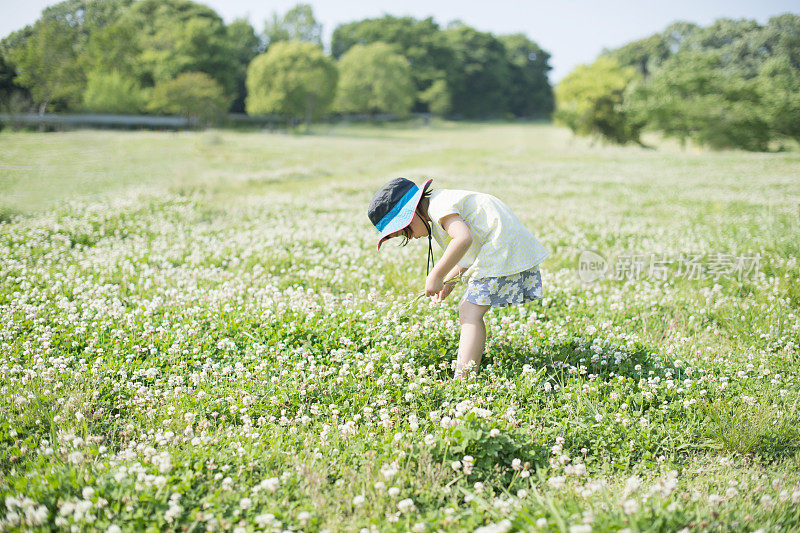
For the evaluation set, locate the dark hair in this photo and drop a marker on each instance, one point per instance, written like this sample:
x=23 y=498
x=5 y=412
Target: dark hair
x=407 y=229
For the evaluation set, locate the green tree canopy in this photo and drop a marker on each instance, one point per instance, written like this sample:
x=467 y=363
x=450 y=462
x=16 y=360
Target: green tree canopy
x=86 y=16
x=419 y=41
x=148 y=41
x=7 y=75
x=437 y=98
x=293 y=79
x=374 y=78
x=46 y=64
x=779 y=89
x=645 y=55
x=480 y=73
x=64 y=29
x=245 y=45
x=191 y=94
x=298 y=24
x=739 y=45
x=781 y=35
x=177 y=36
x=589 y=101
x=114 y=48
x=113 y=92
x=730 y=84
x=692 y=96
x=529 y=91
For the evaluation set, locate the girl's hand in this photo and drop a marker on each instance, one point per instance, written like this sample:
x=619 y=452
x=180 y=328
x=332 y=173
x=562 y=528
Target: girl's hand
x=444 y=293
x=433 y=284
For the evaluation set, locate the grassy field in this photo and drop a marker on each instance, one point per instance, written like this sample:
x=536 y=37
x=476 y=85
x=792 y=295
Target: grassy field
x=196 y=333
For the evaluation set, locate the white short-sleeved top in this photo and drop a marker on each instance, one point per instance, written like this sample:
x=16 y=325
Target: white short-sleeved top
x=501 y=244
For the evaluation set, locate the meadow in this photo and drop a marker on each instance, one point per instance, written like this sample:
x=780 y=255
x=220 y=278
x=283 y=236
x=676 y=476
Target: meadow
x=197 y=333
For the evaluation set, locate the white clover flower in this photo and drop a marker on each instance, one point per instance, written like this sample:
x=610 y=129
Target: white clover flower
x=632 y=484
x=358 y=500
x=557 y=482
x=394 y=492
x=516 y=464
x=75 y=457
x=522 y=493
x=456 y=465
x=388 y=471
x=494 y=432
x=245 y=503
x=380 y=486
x=630 y=506
x=270 y=485
x=87 y=493
x=265 y=520
x=499 y=527
x=406 y=505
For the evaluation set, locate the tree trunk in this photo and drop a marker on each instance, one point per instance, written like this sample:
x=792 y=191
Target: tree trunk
x=42 y=108
x=309 y=109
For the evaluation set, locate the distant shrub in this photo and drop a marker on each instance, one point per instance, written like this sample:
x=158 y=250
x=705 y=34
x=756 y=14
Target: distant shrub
x=293 y=79
x=589 y=101
x=112 y=92
x=374 y=78
x=192 y=94
x=693 y=97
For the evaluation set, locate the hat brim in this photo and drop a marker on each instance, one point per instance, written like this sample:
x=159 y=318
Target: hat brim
x=404 y=215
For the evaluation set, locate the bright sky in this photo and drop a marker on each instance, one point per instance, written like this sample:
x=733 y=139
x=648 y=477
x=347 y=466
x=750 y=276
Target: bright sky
x=572 y=31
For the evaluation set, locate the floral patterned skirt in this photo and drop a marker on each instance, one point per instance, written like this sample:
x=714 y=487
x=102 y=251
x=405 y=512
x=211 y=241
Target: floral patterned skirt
x=502 y=291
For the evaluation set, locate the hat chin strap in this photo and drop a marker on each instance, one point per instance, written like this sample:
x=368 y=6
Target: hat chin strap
x=430 y=244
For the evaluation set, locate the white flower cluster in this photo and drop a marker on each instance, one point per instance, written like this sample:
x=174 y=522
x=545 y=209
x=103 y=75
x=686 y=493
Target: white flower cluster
x=22 y=511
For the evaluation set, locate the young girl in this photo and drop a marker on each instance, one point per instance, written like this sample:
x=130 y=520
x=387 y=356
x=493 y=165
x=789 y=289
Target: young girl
x=477 y=232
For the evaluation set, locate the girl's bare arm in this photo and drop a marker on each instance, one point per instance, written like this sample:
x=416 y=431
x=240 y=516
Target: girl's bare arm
x=461 y=237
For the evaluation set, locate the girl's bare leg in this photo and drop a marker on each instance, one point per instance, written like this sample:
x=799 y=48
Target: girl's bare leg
x=473 y=337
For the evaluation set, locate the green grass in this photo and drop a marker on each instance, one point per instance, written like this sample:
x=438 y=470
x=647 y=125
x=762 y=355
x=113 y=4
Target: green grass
x=197 y=332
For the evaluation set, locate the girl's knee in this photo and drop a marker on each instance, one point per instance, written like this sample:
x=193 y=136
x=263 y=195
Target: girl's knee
x=470 y=313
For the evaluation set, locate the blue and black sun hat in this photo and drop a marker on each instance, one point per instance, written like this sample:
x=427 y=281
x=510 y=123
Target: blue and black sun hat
x=392 y=208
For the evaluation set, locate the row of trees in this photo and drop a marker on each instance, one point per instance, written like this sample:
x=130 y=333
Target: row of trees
x=734 y=83
x=177 y=56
